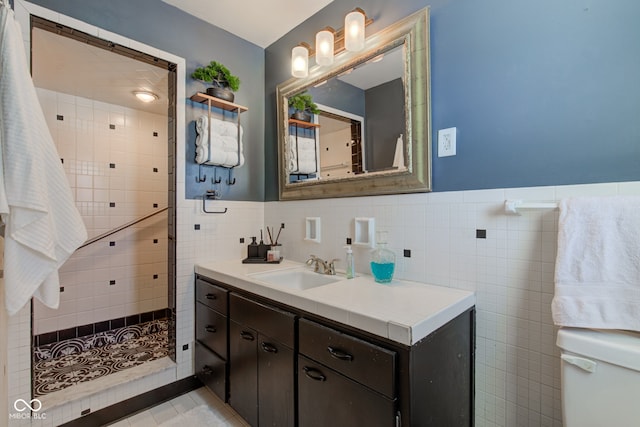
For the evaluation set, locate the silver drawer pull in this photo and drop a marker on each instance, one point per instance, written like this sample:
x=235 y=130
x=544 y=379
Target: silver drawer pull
x=269 y=348
x=211 y=296
x=210 y=328
x=339 y=354
x=247 y=336
x=314 y=374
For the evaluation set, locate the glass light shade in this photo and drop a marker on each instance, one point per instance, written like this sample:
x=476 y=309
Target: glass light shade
x=299 y=61
x=145 y=96
x=324 y=47
x=354 y=31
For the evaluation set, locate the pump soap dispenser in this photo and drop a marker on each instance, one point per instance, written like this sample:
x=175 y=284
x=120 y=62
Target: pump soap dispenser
x=351 y=271
x=383 y=261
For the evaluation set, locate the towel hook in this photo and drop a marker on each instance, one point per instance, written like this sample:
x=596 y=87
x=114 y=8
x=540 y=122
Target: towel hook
x=201 y=178
x=216 y=179
x=229 y=180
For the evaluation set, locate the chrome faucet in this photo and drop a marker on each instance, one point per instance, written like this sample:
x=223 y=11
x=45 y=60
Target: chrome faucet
x=328 y=267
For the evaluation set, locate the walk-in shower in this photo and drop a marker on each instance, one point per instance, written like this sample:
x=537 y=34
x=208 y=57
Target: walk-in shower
x=117 y=300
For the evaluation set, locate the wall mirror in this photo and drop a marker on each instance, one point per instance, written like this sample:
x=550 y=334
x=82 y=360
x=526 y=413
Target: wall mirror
x=372 y=134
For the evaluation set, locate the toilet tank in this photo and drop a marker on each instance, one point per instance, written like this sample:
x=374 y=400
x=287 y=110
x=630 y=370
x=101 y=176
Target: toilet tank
x=600 y=377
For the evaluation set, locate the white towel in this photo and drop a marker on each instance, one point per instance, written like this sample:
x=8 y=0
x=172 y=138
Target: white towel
x=597 y=276
x=219 y=147
x=43 y=226
x=398 y=157
x=302 y=155
x=202 y=140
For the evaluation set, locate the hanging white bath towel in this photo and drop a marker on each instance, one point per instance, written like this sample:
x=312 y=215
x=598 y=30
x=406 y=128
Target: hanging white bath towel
x=597 y=275
x=42 y=225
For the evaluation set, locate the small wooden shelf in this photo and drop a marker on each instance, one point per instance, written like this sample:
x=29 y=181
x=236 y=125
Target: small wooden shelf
x=302 y=124
x=212 y=101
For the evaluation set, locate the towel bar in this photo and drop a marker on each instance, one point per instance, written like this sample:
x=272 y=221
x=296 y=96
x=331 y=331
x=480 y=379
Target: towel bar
x=512 y=206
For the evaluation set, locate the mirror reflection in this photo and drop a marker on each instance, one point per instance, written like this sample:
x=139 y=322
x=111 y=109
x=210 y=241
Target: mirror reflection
x=360 y=124
x=370 y=131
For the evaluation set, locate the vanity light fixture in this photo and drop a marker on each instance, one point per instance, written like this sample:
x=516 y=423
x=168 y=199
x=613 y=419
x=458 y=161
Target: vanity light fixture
x=330 y=43
x=325 y=47
x=145 y=95
x=354 y=30
x=300 y=61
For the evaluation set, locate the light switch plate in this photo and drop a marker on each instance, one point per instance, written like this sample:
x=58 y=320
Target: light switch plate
x=447 y=142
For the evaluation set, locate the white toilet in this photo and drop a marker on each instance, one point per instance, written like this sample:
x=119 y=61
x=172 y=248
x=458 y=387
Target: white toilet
x=600 y=377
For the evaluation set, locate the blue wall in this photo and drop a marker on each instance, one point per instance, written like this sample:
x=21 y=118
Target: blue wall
x=165 y=27
x=542 y=93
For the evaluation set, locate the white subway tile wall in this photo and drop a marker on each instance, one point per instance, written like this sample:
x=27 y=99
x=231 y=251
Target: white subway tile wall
x=116 y=161
x=511 y=271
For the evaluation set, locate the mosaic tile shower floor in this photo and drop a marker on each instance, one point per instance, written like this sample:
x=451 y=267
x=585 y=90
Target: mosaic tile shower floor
x=67 y=363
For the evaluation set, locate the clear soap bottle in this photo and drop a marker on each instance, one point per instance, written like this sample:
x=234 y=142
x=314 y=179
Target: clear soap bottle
x=351 y=272
x=383 y=261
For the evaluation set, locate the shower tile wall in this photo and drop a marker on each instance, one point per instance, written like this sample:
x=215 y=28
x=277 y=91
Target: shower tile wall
x=116 y=161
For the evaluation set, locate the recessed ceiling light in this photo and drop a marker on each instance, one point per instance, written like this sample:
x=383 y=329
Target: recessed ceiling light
x=145 y=96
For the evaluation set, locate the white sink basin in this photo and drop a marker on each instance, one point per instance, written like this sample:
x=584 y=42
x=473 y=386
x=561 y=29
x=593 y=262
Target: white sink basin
x=295 y=279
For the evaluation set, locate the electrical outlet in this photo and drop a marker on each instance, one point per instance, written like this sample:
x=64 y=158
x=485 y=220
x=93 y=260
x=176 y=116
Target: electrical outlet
x=447 y=142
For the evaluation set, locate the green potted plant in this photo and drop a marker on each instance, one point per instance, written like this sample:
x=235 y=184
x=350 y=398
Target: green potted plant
x=223 y=82
x=303 y=105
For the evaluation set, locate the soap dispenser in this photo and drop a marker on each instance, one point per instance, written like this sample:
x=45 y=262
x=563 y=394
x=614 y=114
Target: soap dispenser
x=351 y=271
x=383 y=261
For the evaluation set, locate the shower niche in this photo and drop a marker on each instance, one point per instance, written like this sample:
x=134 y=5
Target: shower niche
x=117 y=292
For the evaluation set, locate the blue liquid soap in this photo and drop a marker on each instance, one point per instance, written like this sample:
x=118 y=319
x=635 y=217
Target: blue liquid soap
x=382 y=273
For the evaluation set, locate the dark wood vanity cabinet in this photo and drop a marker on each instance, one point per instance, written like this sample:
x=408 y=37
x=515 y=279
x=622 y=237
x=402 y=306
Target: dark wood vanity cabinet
x=343 y=380
x=287 y=367
x=211 y=336
x=262 y=362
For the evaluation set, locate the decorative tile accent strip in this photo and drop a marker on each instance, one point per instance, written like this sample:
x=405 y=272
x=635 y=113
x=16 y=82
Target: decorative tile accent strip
x=91 y=328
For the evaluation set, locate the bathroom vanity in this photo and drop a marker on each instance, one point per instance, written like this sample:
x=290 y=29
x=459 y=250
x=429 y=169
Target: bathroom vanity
x=289 y=347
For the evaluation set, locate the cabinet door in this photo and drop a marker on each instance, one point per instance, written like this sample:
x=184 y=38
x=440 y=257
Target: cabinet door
x=211 y=329
x=327 y=398
x=243 y=371
x=212 y=295
x=211 y=370
x=351 y=356
x=275 y=383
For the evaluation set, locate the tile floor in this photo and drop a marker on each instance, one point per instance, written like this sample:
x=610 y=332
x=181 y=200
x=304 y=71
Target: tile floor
x=167 y=410
x=79 y=360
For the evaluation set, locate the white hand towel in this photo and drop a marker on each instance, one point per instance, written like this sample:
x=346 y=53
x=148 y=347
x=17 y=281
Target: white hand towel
x=597 y=276
x=217 y=157
x=202 y=140
x=398 y=157
x=43 y=226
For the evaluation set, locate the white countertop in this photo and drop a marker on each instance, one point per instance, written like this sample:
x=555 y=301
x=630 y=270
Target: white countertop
x=402 y=311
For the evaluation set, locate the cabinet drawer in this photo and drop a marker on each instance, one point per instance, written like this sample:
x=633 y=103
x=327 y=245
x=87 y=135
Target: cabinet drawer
x=211 y=370
x=211 y=329
x=275 y=323
x=367 y=363
x=326 y=398
x=211 y=295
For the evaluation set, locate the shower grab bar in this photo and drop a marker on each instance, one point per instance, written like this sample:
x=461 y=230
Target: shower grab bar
x=512 y=206
x=120 y=228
